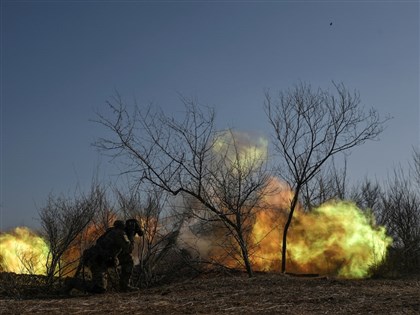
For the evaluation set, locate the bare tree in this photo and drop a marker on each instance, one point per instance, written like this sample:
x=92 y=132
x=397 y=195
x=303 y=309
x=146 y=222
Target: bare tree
x=401 y=214
x=311 y=126
x=238 y=180
x=415 y=167
x=185 y=158
x=28 y=260
x=159 y=231
x=367 y=195
x=102 y=219
x=329 y=183
x=63 y=220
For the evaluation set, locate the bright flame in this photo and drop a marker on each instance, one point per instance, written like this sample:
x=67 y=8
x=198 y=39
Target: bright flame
x=22 y=251
x=335 y=238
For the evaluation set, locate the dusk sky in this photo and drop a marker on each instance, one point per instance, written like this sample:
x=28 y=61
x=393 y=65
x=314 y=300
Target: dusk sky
x=61 y=61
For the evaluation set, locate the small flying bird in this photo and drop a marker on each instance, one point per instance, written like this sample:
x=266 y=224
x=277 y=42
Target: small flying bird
x=330 y=23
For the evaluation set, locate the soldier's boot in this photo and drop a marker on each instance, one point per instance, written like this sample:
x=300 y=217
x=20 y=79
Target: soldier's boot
x=97 y=289
x=67 y=286
x=128 y=288
x=99 y=281
x=125 y=284
x=73 y=283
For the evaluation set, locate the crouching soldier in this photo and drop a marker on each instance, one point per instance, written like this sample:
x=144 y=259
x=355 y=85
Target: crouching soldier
x=113 y=249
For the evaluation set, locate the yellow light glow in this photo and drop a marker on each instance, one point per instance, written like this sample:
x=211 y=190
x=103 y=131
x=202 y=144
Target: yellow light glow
x=22 y=251
x=336 y=238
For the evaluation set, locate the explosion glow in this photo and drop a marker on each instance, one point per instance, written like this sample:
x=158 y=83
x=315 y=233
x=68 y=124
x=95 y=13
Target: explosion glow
x=336 y=238
x=22 y=251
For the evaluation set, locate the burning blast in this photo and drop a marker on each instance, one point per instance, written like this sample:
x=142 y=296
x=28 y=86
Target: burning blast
x=336 y=238
x=22 y=251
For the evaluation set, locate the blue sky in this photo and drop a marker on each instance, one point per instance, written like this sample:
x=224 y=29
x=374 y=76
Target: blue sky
x=61 y=60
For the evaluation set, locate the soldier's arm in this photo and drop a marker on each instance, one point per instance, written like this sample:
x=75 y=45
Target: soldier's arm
x=124 y=243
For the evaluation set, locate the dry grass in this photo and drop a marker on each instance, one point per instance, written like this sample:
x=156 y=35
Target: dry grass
x=238 y=294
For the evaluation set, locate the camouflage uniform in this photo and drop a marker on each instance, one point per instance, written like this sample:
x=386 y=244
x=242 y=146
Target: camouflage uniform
x=112 y=249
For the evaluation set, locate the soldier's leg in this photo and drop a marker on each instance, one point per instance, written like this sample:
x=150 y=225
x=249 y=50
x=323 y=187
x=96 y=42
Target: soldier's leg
x=99 y=282
x=126 y=265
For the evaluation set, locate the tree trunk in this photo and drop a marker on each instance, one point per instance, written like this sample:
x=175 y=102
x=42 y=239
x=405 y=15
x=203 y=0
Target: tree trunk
x=245 y=257
x=286 y=228
x=51 y=269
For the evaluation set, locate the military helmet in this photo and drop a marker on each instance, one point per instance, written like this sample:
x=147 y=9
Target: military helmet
x=132 y=226
x=119 y=224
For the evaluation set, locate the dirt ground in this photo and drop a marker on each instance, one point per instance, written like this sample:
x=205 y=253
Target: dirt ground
x=238 y=294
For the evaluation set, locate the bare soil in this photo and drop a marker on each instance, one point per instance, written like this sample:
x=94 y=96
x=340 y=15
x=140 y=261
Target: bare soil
x=238 y=294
